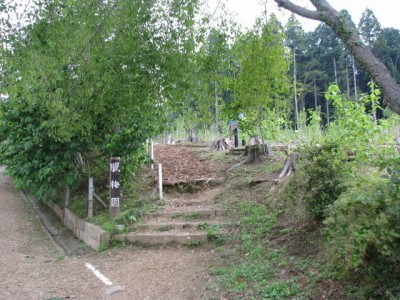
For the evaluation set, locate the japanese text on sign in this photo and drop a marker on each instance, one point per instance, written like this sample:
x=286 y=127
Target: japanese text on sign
x=114 y=184
x=114 y=202
x=114 y=167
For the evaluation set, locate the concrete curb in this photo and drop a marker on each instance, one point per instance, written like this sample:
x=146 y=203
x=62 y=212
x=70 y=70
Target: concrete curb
x=91 y=234
x=50 y=229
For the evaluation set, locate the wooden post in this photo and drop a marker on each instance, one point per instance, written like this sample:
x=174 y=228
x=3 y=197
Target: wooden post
x=236 y=132
x=160 y=184
x=90 y=198
x=114 y=186
x=66 y=197
x=152 y=153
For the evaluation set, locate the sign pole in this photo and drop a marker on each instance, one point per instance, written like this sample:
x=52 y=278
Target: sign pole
x=160 y=185
x=90 y=198
x=115 y=186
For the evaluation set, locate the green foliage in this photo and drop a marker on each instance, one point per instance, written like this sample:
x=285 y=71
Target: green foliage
x=274 y=124
x=261 y=82
x=254 y=275
x=89 y=78
x=323 y=171
x=355 y=130
x=35 y=160
x=320 y=178
x=359 y=207
x=363 y=232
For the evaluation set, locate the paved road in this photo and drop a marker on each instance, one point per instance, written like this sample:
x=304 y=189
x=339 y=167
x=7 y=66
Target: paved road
x=33 y=267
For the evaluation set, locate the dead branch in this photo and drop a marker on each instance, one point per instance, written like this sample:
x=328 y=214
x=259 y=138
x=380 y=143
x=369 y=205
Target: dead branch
x=99 y=200
x=237 y=165
x=288 y=167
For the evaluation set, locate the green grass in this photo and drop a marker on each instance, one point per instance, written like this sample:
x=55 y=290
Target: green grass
x=194 y=243
x=272 y=167
x=193 y=216
x=176 y=215
x=163 y=228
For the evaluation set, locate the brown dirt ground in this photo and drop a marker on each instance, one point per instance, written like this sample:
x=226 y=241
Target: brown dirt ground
x=180 y=163
x=33 y=267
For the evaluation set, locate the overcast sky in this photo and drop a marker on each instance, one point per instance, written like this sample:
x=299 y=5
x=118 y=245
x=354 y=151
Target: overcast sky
x=386 y=11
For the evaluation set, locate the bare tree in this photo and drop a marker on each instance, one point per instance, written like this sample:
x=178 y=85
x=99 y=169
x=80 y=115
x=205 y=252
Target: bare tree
x=324 y=12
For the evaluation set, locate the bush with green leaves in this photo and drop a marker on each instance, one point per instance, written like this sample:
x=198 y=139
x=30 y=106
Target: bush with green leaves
x=320 y=178
x=355 y=130
x=363 y=232
x=35 y=160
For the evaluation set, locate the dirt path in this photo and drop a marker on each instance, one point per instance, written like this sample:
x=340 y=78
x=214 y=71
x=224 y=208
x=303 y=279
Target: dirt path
x=33 y=267
x=180 y=163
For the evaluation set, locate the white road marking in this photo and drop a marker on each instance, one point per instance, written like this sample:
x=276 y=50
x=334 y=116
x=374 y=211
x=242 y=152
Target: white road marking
x=98 y=274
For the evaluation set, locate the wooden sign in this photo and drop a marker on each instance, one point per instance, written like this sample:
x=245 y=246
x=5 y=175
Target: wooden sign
x=115 y=186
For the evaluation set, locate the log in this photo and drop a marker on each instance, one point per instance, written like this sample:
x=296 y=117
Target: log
x=288 y=167
x=257 y=181
x=204 y=181
x=99 y=200
x=278 y=147
x=237 y=151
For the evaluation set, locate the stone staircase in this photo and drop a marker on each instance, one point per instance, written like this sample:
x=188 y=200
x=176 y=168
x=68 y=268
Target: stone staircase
x=191 y=219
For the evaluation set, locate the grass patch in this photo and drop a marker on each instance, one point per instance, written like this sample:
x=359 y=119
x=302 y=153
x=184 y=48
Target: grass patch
x=163 y=228
x=176 y=215
x=194 y=243
x=272 y=167
x=193 y=216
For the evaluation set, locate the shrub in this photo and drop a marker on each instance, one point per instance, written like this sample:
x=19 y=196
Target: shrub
x=319 y=179
x=363 y=233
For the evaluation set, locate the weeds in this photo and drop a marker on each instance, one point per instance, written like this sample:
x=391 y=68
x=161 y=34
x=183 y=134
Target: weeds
x=163 y=228
x=193 y=216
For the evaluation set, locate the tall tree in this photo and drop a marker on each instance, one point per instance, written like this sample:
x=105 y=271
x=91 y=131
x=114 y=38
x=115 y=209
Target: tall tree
x=387 y=48
x=262 y=79
x=324 y=12
x=369 y=27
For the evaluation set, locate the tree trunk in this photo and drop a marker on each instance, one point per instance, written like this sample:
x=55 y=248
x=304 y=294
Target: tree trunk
x=192 y=136
x=315 y=94
x=347 y=83
x=355 y=80
x=348 y=34
x=255 y=151
x=167 y=138
x=327 y=109
x=221 y=144
x=335 y=71
x=296 y=105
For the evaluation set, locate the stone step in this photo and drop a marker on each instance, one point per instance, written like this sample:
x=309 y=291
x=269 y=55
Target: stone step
x=187 y=227
x=162 y=226
x=187 y=214
x=161 y=238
